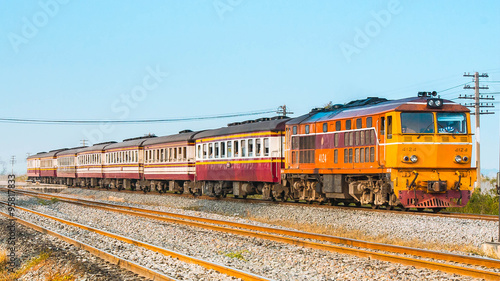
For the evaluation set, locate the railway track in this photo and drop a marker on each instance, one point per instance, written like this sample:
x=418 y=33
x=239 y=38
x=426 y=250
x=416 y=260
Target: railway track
x=368 y=209
x=141 y=270
x=390 y=253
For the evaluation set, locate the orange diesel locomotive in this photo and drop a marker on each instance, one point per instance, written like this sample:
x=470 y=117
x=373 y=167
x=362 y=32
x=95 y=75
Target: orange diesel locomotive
x=412 y=152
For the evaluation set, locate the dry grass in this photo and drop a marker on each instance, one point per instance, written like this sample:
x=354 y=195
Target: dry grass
x=22 y=178
x=116 y=199
x=361 y=235
x=40 y=265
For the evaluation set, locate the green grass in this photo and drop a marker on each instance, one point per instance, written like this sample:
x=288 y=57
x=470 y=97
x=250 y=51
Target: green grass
x=47 y=202
x=235 y=255
x=484 y=203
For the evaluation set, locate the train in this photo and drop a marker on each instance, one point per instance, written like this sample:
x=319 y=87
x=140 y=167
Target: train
x=413 y=152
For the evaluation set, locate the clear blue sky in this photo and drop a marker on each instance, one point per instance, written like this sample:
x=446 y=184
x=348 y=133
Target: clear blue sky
x=82 y=59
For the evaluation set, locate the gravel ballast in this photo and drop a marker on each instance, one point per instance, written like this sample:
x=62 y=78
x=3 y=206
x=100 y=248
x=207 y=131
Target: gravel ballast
x=270 y=259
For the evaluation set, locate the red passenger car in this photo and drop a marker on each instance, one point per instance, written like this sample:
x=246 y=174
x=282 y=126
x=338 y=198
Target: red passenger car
x=245 y=158
x=66 y=166
x=34 y=167
x=48 y=166
x=169 y=161
x=90 y=164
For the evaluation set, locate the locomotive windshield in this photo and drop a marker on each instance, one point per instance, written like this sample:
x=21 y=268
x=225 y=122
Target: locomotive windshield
x=417 y=123
x=451 y=123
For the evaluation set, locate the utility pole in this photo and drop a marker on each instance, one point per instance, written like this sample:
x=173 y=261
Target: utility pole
x=283 y=111
x=12 y=162
x=477 y=112
x=83 y=142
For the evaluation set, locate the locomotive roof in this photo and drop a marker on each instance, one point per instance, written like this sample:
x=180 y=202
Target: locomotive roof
x=361 y=108
x=96 y=147
x=263 y=124
x=182 y=136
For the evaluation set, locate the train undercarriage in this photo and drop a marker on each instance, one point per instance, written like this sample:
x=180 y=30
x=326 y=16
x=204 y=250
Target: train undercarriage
x=374 y=189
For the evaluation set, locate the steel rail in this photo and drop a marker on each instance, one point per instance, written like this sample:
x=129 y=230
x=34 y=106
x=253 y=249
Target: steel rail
x=477 y=261
x=352 y=242
x=123 y=263
x=367 y=209
x=185 y=258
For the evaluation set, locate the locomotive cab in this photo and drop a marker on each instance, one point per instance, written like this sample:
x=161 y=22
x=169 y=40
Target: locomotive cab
x=428 y=147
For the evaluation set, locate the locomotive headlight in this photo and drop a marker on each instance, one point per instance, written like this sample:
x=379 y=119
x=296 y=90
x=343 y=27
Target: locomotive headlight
x=465 y=158
x=458 y=159
x=430 y=103
x=414 y=158
x=438 y=103
x=406 y=158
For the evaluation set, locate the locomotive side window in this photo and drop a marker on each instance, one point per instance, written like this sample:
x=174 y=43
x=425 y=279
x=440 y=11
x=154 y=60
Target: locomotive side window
x=216 y=145
x=336 y=140
x=368 y=122
x=361 y=155
x=356 y=155
x=417 y=123
x=199 y=151
x=325 y=127
x=357 y=140
x=346 y=139
x=351 y=139
x=389 y=127
x=382 y=125
x=229 y=150
x=337 y=126
x=294 y=130
x=359 y=123
x=350 y=155
x=348 y=124
x=367 y=155
x=204 y=151
x=307 y=129
x=372 y=154
x=346 y=155
x=335 y=156
x=266 y=147
x=258 y=147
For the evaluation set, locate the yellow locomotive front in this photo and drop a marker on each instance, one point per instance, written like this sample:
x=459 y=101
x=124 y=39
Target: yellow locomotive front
x=428 y=148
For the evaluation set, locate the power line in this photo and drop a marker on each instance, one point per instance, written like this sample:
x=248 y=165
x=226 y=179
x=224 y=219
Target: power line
x=463 y=84
x=92 y=122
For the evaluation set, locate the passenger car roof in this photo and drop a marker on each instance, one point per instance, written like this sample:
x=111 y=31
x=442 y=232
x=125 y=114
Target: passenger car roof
x=263 y=124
